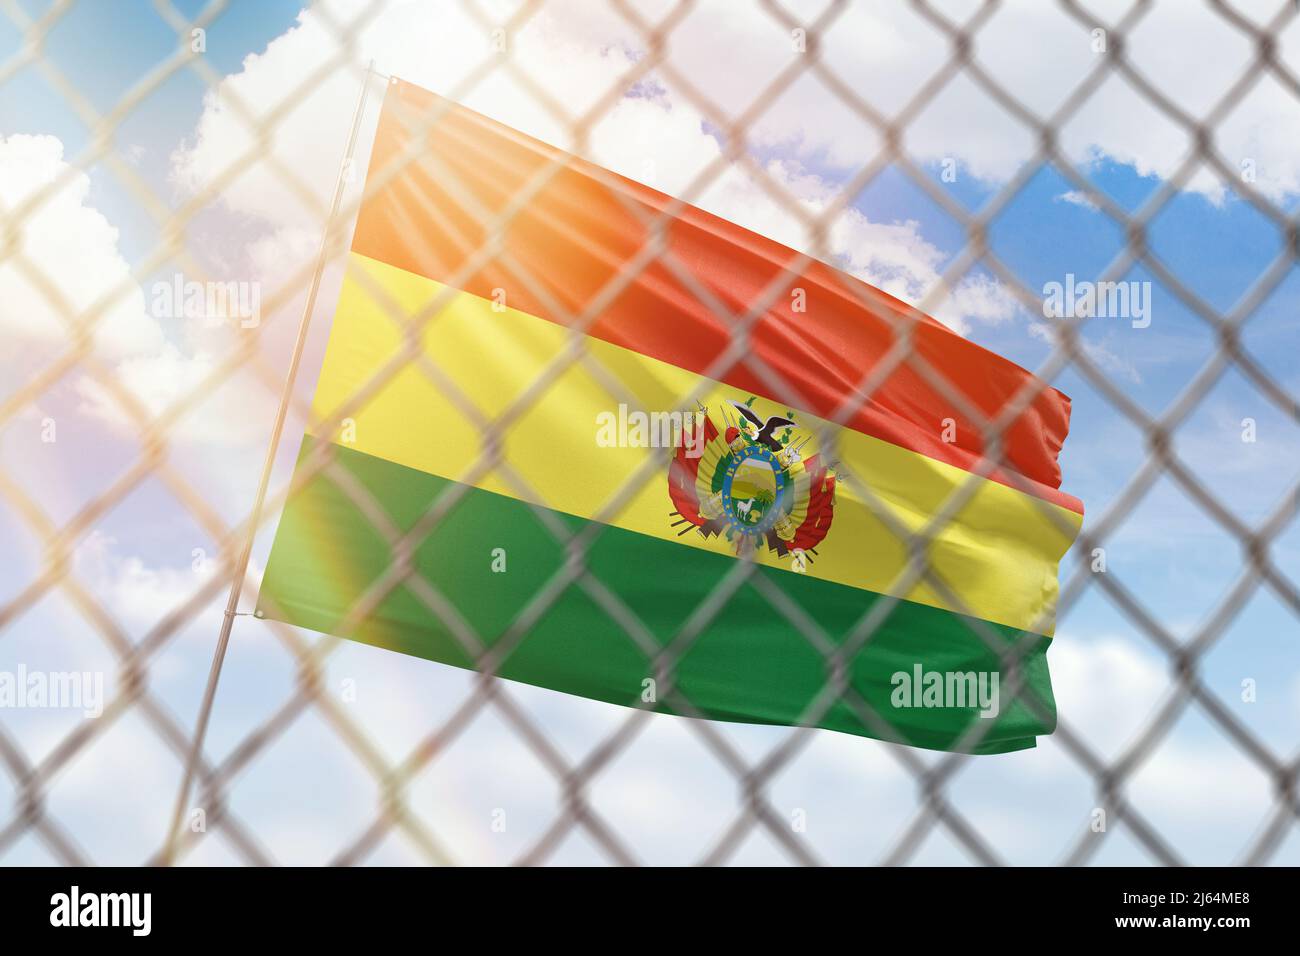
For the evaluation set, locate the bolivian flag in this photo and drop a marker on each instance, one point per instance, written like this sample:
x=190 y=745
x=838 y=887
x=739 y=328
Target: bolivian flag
x=549 y=450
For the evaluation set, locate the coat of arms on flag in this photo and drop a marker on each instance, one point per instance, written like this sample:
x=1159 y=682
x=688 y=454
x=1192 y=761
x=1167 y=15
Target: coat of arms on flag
x=750 y=484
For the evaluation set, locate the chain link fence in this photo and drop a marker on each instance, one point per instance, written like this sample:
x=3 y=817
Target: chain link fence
x=217 y=776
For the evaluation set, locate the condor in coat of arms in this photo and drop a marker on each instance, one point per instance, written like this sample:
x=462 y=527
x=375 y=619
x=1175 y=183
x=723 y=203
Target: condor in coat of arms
x=750 y=484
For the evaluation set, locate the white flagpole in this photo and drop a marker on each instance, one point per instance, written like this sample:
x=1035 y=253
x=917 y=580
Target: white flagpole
x=254 y=518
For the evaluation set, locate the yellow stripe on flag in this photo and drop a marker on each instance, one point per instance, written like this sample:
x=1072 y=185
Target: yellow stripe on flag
x=998 y=554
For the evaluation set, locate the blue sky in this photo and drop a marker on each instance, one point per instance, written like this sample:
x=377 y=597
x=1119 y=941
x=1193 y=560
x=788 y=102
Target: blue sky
x=1169 y=553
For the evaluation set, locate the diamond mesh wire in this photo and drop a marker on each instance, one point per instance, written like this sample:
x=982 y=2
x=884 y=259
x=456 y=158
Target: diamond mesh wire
x=936 y=807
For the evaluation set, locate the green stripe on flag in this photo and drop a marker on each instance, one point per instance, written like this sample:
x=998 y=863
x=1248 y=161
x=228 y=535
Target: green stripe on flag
x=749 y=664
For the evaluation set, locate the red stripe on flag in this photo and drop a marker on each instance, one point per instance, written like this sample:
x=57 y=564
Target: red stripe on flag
x=586 y=227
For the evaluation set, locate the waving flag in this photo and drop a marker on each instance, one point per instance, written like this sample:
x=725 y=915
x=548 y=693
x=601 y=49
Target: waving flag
x=593 y=452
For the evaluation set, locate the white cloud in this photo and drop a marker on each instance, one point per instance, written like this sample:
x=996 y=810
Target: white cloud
x=1040 y=54
x=576 y=53
x=227 y=416
x=1099 y=351
x=658 y=137
x=1037 y=52
x=74 y=247
x=137 y=593
x=1076 y=197
x=1134 y=683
